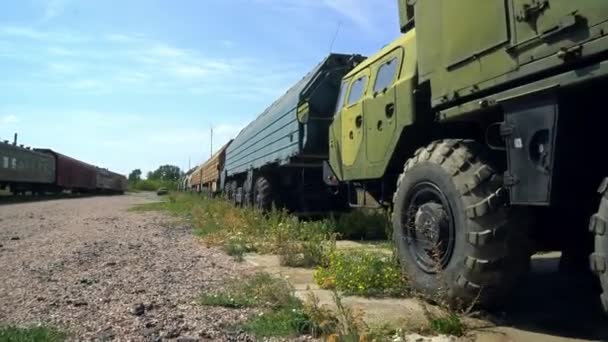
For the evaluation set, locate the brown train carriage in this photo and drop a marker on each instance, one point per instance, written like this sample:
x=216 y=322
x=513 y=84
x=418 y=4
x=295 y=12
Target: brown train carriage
x=72 y=174
x=196 y=180
x=211 y=171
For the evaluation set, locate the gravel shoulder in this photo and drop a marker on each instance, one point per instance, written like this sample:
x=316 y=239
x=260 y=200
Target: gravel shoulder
x=101 y=272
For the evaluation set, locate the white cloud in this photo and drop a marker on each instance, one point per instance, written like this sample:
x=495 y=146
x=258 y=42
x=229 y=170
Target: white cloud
x=120 y=38
x=228 y=43
x=54 y=8
x=355 y=10
x=60 y=51
x=8 y=119
x=169 y=51
x=63 y=68
x=47 y=36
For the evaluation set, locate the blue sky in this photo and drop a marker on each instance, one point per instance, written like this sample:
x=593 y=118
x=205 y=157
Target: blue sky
x=138 y=83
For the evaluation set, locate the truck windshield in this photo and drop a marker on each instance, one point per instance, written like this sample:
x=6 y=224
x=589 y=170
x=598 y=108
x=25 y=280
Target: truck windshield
x=342 y=96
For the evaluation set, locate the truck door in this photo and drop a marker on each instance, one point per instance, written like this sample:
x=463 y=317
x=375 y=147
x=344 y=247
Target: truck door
x=544 y=26
x=352 y=118
x=380 y=108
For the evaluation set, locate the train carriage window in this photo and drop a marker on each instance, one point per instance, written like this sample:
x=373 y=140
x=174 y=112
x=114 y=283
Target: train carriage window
x=357 y=90
x=5 y=162
x=14 y=163
x=386 y=75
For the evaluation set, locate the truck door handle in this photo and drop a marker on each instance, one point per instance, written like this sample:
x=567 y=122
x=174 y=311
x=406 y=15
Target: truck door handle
x=389 y=110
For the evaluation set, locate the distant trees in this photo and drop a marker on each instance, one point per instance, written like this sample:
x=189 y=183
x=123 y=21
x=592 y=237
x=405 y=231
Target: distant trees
x=167 y=173
x=165 y=176
x=135 y=176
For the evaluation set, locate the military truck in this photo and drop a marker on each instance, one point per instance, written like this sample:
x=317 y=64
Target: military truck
x=482 y=127
x=277 y=160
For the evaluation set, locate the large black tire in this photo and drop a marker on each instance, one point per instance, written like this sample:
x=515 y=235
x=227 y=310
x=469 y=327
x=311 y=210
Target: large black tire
x=599 y=258
x=263 y=198
x=473 y=248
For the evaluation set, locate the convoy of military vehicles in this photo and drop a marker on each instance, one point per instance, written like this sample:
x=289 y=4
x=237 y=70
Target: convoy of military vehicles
x=480 y=129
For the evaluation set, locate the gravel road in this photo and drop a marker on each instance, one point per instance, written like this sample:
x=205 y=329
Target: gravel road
x=102 y=273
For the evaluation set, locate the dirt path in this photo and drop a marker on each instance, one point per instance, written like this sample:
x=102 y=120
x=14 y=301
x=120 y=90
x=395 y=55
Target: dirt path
x=91 y=267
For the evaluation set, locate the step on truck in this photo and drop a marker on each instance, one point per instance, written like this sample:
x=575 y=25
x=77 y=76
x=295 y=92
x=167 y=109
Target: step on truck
x=277 y=160
x=482 y=127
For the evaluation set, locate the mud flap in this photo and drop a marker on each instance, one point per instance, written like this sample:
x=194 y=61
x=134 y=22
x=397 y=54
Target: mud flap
x=529 y=131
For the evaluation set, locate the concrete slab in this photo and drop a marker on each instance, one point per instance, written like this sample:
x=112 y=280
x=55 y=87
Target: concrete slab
x=551 y=307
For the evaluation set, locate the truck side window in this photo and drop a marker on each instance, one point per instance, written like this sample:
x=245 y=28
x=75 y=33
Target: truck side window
x=357 y=90
x=343 y=89
x=386 y=75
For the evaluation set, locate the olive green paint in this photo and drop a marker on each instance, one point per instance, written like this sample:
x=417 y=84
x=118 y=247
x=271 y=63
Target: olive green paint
x=362 y=135
x=473 y=54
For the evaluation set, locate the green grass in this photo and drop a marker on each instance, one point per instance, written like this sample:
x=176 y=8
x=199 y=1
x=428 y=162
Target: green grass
x=258 y=290
x=175 y=204
x=30 y=334
x=451 y=324
x=283 y=322
x=363 y=273
x=283 y=314
x=151 y=185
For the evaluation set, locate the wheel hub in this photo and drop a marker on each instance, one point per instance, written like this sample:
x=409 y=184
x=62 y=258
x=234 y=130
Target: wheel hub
x=429 y=220
x=429 y=227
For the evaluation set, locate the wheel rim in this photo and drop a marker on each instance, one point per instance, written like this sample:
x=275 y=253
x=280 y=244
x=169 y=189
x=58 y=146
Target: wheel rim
x=428 y=227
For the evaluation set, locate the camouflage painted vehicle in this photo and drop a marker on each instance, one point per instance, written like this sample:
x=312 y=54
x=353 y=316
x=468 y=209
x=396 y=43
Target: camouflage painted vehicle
x=481 y=127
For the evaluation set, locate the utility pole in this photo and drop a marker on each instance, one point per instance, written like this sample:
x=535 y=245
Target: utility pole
x=211 y=142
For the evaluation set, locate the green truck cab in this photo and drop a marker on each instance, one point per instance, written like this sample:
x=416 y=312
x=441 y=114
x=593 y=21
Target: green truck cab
x=481 y=129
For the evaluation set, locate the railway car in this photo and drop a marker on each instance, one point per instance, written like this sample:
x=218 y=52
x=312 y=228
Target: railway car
x=72 y=174
x=211 y=172
x=196 y=180
x=109 y=182
x=23 y=169
x=277 y=160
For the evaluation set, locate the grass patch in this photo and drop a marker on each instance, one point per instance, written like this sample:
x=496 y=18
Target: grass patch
x=178 y=204
x=283 y=314
x=258 y=290
x=362 y=273
x=283 y=322
x=239 y=230
x=449 y=324
x=236 y=248
x=31 y=334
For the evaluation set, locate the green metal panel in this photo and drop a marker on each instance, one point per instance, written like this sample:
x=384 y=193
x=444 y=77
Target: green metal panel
x=20 y=165
x=460 y=43
x=380 y=119
x=542 y=28
x=470 y=47
x=366 y=153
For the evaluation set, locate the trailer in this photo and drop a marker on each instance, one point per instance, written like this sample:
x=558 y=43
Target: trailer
x=277 y=159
